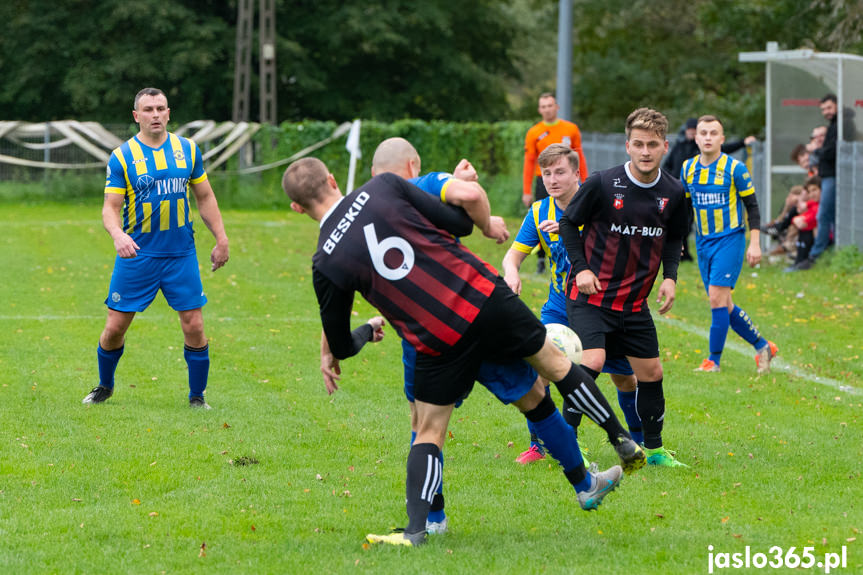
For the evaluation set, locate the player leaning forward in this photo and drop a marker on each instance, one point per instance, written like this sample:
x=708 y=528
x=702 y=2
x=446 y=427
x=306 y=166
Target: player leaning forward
x=148 y=178
x=635 y=217
x=393 y=243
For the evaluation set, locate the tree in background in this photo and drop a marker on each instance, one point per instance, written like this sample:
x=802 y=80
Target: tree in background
x=482 y=60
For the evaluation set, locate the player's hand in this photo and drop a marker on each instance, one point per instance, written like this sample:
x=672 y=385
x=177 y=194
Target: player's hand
x=329 y=367
x=667 y=291
x=749 y=140
x=587 y=282
x=496 y=229
x=220 y=254
x=513 y=280
x=465 y=171
x=753 y=254
x=527 y=200
x=377 y=324
x=126 y=246
x=549 y=226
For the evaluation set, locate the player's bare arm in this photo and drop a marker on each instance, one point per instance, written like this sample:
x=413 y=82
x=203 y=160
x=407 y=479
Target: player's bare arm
x=330 y=368
x=471 y=197
x=665 y=295
x=208 y=207
x=753 y=254
x=511 y=265
x=111 y=220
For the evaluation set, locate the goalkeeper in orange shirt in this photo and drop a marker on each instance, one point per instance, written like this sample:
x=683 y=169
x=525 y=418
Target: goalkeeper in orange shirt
x=551 y=130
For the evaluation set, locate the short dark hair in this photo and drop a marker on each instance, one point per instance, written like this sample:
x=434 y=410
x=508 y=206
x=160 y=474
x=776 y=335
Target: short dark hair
x=547 y=95
x=305 y=180
x=813 y=181
x=828 y=98
x=798 y=151
x=148 y=92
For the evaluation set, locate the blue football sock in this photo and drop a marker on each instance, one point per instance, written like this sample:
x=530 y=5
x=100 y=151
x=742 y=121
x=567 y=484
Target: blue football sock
x=718 y=332
x=534 y=438
x=559 y=439
x=198 y=360
x=743 y=326
x=626 y=399
x=108 y=361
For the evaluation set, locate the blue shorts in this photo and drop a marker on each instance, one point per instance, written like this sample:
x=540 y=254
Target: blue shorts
x=507 y=381
x=617 y=365
x=136 y=281
x=721 y=259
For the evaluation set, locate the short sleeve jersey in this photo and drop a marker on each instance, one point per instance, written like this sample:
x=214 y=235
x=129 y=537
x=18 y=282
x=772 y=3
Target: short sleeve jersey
x=716 y=191
x=434 y=183
x=529 y=236
x=155 y=184
x=626 y=224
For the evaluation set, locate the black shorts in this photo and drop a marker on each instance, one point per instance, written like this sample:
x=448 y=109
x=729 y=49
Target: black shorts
x=619 y=333
x=539 y=191
x=504 y=330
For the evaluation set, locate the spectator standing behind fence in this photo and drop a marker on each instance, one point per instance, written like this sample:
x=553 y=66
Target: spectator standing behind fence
x=827 y=172
x=550 y=130
x=685 y=148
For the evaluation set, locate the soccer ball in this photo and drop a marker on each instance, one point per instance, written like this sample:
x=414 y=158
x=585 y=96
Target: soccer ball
x=566 y=341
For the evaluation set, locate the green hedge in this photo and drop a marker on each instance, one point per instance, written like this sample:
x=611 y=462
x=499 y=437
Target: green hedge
x=495 y=149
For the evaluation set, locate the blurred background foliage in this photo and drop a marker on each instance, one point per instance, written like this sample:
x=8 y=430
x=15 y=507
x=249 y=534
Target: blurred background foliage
x=478 y=61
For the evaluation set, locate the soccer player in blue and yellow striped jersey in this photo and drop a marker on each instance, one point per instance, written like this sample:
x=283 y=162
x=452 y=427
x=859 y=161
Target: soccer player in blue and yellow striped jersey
x=720 y=188
x=148 y=178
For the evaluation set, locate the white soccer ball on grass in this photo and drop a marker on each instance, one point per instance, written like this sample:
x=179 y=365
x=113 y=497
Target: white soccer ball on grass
x=566 y=341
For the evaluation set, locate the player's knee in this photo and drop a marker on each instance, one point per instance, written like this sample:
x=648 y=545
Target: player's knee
x=624 y=382
x=543 y=407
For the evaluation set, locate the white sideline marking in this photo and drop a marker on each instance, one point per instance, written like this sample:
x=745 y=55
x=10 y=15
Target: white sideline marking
x=140 y=317
x=777 y=363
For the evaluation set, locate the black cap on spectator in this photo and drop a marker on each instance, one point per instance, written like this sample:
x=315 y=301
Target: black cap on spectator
x=691 y=123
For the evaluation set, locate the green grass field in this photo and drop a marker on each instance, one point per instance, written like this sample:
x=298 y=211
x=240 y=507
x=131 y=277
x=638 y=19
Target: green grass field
x=142 y=484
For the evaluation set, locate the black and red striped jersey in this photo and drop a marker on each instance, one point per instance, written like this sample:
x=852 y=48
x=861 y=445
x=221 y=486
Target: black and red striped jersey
x=629 y=229
x=394 y=244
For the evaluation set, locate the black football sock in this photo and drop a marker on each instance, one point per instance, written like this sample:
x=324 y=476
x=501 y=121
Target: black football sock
x=581 y=391
x=423 y=476
x=650 y=402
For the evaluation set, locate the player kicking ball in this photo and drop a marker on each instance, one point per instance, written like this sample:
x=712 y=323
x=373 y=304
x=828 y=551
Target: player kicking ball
x=394 y=244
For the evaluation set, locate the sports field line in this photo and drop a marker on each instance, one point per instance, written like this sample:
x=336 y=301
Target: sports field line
x=776 y=364
x=154 y=317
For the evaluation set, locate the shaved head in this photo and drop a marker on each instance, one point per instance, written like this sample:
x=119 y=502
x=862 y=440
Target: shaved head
x=395 y=155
